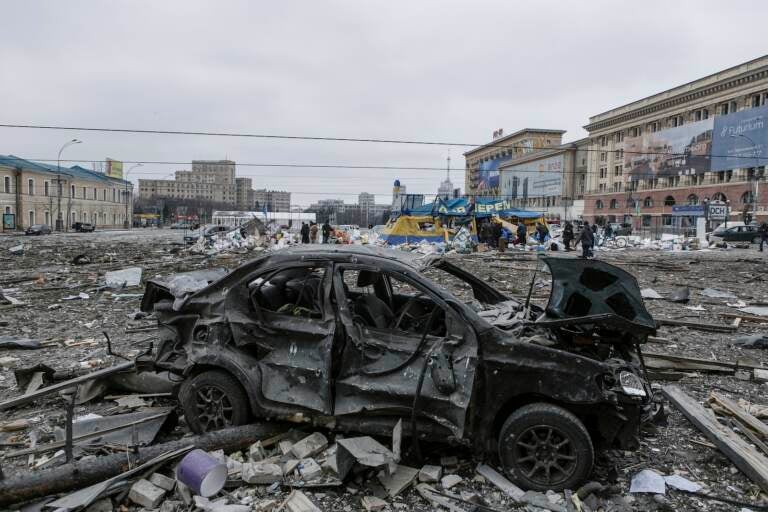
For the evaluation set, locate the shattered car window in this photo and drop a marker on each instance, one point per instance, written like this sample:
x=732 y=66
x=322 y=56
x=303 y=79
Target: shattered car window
x=293 y=291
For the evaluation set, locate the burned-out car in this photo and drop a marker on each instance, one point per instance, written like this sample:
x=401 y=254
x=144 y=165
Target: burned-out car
x=356 y=338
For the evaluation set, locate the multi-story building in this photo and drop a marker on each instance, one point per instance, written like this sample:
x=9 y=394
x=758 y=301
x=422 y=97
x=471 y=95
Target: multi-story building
x=482 y=163
x=244 y=193
x=38 y=193
x=209 y=180
x=700 y=141
x=272 y=200
x=549 y=180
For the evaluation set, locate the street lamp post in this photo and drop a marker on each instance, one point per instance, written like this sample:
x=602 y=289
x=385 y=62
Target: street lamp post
x=59 y=220
x=126 y=224
x=754 y=178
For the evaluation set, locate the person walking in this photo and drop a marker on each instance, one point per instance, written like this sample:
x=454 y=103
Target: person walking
x=522 y=234
x=763 y=230
x=568 y=235
x=313 y=232
x=326 y=232
x=587 y=239
x=304 y=233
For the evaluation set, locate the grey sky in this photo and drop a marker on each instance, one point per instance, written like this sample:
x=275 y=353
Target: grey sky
x=425 y=70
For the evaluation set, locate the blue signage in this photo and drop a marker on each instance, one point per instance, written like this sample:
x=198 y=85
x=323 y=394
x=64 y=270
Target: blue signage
x=740 y=139
x=688 y=210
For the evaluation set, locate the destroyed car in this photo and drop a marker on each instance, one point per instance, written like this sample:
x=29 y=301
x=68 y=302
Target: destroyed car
x=355 y=338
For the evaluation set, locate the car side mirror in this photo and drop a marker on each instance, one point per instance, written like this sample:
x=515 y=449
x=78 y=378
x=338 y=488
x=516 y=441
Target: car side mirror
x=441 y=370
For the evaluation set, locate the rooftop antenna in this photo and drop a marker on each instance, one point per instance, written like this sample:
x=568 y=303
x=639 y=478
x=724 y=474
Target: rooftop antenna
x=448 y=170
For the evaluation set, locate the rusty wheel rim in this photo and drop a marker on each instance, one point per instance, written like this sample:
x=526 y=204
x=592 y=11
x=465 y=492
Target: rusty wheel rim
x=545 y=454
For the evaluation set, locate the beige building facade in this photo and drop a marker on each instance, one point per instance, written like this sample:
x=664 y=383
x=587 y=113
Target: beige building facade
x=482 y=163
x=209 y=180
x=652 y=156
x=29 y=194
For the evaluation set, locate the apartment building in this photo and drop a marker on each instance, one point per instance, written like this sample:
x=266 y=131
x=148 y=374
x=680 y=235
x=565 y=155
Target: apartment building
x=272 y=200
x=697 y=142
x=37 y=193
x=209 y=180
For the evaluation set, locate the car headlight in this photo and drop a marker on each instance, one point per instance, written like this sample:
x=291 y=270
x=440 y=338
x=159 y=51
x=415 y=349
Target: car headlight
x=631 y=384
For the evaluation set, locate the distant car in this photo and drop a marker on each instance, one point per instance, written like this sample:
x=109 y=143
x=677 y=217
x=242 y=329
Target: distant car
x=735 y=232
x=208 y=232
x=83 y=227
x=621 y=229
x=38 y=229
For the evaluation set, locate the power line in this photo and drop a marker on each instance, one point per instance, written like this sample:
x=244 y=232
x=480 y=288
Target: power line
x=343 y=139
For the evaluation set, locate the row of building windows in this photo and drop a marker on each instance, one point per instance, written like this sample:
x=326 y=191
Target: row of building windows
x=95 y=218
x=729 y=107
x=32 y=190
x=691 y=200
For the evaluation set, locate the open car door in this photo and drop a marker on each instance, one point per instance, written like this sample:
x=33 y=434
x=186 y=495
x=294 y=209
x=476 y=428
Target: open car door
x=402 y=347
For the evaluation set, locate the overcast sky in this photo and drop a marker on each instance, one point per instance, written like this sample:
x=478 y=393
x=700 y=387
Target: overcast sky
x=417 y=69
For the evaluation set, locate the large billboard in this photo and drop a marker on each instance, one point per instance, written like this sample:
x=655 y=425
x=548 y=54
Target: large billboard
x=672 y=152
x=740 y=139
x=114 y=168
x=488 y=173
x=539 y=178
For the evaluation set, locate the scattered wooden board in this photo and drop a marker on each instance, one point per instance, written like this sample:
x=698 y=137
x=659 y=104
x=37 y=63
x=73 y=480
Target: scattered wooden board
x=741 y=453
x=736 y=410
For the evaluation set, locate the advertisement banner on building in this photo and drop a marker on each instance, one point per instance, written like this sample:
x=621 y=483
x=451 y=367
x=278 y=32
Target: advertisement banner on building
x=114 y=168
x=488 y=173
x=679 y=151
x=740 y=139
x=539 y=178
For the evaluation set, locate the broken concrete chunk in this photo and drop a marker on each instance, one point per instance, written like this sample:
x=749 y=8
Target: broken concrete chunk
x=309 y=446
x=499 y=481
x=682 y=483
x=364 y=450
x=103 y=505
x=265 y=506
x=717 y=294
x=289 y=466
x=162 y=481
x=285 y=446
x=449 y=481
x=257 y=452
x=297 y=501
x=146 y=494
x=430 y=474
x=261 y=473
x=309 y=469
x=398 y=481
x=650 y=293
x=372 y=503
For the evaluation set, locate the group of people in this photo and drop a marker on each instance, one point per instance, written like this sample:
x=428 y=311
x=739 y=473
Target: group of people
x=490 y=233
x=587 y=237
x=309 y=232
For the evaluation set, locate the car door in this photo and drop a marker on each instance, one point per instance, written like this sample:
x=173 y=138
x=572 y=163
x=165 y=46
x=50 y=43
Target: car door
x=289 y=328
x=388 y=369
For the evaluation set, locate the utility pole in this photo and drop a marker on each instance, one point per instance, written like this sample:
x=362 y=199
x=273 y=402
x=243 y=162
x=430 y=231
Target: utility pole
x=59 y=220
x=126 y=223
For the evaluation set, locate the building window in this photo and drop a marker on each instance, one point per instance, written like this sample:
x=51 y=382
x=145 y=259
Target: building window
x=31 y=217
x=617 y=187
x=72 y=191
x=84 y=216
x=598 y=205
x=646 y=221
x=619 y=136
x=114 y=195
x=47 y=190
x=31 y=187
x=669 y=201
x=94 y=194
x=601 y=187
x=631 y=203
x=653 y=127
x=603 y=172
x=666 y=220
x=614 y=204
x=104 y=195
x=48 y=218
x=618 y=170
x=693 y=200
x=746 y=198
x=603 y=140
x=648 y=202
x=85 y=193
x=7 y=185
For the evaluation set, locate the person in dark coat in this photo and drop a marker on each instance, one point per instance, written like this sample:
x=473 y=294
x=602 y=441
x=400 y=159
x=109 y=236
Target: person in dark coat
x=326 y=232
x=495 y=234
x=763 y=230
x=304 y=233
x=587 y=239
x=522 y=234
x=568 y=235
x=483 y=233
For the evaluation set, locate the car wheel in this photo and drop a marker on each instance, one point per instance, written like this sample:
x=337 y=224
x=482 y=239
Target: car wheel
x=543 y=446
x=213 y=400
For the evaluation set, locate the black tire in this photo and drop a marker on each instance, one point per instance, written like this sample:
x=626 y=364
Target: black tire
x=213 y=400
x=537 y=437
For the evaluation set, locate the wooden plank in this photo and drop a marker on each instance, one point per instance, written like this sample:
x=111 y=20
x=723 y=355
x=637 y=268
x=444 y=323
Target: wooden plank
x=745 y=318
x=705 y=362
x=695 y=325
x=743 y=416
x=741 y=453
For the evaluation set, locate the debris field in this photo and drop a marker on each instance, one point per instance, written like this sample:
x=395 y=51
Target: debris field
x=70 y=306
